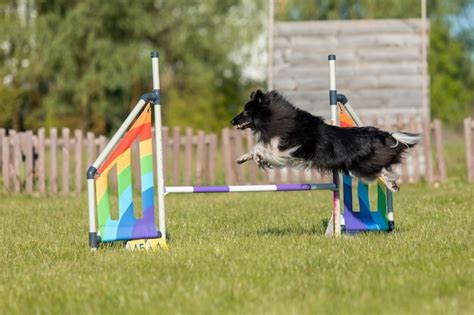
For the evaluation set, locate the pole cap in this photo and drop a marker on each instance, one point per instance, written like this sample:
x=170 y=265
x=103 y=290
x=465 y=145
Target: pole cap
x=155 y=54
x=332 y=57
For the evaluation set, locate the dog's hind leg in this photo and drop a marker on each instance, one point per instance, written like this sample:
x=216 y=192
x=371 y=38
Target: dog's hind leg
x=390 y=179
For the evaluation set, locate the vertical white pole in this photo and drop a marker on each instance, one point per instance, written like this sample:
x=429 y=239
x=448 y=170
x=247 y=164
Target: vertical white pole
x=159 y=145
x=270 y=23
x=424 y=63
x=334 y=121
x=92 y=221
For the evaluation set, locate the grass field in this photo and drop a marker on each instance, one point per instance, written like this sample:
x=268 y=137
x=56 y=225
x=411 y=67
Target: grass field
x=245 y=254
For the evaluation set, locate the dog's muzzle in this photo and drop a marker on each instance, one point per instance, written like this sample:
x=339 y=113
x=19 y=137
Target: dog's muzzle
x=239 y=124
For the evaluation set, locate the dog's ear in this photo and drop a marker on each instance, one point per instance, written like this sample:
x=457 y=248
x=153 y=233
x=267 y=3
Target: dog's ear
x=252 y=95
x=259 y=96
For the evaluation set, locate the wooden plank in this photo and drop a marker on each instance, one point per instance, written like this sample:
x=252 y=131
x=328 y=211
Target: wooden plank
x=102 y=142
x=372 y=83
x=290 y=175
x=212 y=159
x=387 y=124
x=348 y=27
x=427 y=151
x=238 y=151
x=28 y=141
x=348 y=68
x=41 y=161
x=90 y=138
x=333 y=42
x=65 y=132
x=53 y=151
x=16 y=138
x=188 y=156
x=78 y=160
x=404 y=165
x=6 y=162
x=365 y=55
x=200 y=157
x=468 y=139
x=226 y=147
x=175 y=159
x=277 y=176
x=252 y=167
x=415 y=152
x=438 y=134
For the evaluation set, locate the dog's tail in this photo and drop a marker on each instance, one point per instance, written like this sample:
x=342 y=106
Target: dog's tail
x=405 y=138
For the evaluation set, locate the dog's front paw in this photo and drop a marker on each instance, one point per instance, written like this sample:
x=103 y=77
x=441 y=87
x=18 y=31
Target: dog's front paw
x=244 y=158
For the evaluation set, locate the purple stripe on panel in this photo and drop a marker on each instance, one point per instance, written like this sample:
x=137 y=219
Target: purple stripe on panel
x=211 y=189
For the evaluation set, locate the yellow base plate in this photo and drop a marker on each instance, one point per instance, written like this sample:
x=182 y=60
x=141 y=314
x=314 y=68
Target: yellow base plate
x=153 y=244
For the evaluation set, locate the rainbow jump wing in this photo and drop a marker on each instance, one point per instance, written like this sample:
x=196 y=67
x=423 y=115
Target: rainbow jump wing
x=127 y=227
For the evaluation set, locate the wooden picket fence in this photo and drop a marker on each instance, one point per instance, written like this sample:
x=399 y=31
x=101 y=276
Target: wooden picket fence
x=469 y=142
x=47 y=162
x=425 y=161
x=36 y=163
x=43 y=162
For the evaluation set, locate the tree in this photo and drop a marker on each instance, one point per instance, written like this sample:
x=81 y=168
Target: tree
x=88 y=61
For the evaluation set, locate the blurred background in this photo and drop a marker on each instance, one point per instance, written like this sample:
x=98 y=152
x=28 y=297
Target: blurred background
x=83 y=64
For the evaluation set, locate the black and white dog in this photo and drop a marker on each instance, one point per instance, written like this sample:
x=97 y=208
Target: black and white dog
x=288 y=136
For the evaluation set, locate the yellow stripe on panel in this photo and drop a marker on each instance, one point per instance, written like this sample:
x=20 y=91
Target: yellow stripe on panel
x=146 y=147
x=101 y=186
x=123 y=161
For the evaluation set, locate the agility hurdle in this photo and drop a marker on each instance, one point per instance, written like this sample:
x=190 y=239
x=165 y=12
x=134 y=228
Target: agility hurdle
x=142 y=232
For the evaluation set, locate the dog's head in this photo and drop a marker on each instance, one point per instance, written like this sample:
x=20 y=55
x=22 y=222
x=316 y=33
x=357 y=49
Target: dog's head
x=252 y=114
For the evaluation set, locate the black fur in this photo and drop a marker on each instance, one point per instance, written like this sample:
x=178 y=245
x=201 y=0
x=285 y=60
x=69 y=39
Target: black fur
x=362 y=151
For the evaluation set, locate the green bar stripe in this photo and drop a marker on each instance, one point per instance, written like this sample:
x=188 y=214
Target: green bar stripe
x=124 y=179
x=146 y=164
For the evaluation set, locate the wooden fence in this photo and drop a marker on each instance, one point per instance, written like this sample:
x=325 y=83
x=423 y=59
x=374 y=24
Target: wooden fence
x=49 y=162
x=469 y=141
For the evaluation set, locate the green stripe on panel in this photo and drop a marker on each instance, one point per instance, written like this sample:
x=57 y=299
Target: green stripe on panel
x=146 y=164
x=124 y=179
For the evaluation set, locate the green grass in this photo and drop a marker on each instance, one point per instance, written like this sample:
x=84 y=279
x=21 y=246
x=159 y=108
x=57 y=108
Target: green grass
x=247 y=254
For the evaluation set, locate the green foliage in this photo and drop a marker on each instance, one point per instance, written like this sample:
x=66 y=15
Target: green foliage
x=89 y=60
x=451 y=80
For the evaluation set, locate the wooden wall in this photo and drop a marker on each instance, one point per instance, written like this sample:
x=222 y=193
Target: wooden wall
x=379 y=65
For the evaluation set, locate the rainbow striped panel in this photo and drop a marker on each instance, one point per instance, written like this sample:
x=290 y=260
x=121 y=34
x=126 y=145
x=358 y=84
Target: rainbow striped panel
x=365 y=219
x=127 y=227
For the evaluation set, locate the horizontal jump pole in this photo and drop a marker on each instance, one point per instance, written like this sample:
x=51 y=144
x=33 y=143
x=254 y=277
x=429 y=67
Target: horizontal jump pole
x=248 y=188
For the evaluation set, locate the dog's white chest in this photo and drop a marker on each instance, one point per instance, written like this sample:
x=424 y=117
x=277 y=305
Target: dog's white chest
x=271 y=153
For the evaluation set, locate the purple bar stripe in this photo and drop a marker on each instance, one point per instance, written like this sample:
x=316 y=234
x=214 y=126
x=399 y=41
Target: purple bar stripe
x=290 y=187
x=210 y=189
